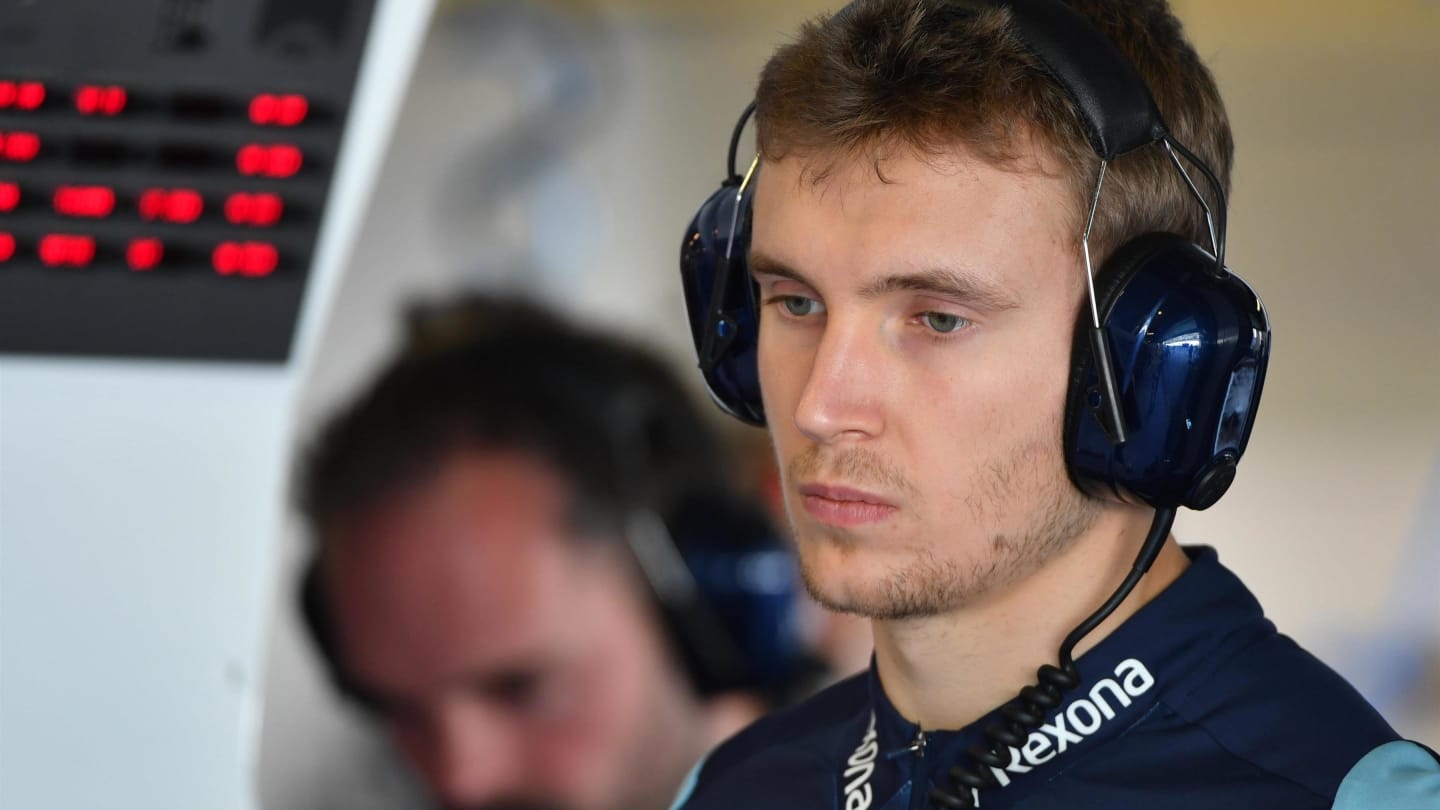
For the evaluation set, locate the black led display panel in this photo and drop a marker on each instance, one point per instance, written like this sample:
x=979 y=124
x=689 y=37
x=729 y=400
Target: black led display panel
x=164 y=166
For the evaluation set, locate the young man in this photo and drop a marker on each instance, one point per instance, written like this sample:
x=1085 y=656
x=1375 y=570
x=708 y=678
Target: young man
x=923 y=183
x=526 y=570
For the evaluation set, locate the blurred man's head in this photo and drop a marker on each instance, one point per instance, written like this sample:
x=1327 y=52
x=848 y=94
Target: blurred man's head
x=476 y=586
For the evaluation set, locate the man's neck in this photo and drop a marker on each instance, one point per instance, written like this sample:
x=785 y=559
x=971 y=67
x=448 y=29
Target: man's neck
x=946 y=671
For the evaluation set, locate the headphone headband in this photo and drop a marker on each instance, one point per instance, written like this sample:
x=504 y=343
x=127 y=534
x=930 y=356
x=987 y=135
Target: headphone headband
x=1111 y=98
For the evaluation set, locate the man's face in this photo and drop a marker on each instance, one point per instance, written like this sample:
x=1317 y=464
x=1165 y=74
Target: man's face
x=513 y=666
x=914 y=352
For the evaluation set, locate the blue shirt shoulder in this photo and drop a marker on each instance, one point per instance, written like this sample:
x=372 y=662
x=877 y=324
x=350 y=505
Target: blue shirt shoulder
x=782 y=752
x=1195 y=702
x=1268 y=726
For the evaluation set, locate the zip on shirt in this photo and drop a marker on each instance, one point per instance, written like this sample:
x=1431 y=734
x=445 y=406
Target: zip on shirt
x=917 y=783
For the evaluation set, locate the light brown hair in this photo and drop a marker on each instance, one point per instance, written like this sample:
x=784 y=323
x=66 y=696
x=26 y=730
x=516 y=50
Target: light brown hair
x=932 y=76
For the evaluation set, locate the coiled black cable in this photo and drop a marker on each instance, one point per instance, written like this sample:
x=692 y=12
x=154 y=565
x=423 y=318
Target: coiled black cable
x=1027 y=711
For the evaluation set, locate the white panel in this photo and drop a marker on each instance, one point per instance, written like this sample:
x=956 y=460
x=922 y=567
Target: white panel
x=140 y=504
x=138 y=507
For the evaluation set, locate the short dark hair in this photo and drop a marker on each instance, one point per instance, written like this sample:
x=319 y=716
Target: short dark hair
x=495 y=374
x=931 y=75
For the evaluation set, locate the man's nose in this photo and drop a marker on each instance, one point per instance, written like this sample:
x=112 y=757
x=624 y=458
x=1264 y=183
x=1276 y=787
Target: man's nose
x=472 y=758
x=844 y=393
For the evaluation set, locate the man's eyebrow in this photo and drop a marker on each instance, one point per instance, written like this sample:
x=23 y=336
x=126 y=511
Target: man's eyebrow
x=961 y=286
x=762 y=265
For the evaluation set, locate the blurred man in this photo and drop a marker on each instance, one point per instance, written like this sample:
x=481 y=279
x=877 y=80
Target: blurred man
x=994 y=341
x=531 y=571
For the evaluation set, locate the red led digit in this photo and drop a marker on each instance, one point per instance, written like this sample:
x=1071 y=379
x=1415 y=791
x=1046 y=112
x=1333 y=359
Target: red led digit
x=29 y=95
x=20 y=146
x=269 y=109
x=252 y=159
x=66 y=200
x=81 y=250
x=266 y=209
x=57 y=250
x=99 y=201
x=258 y=259
x=88 y=99
x=253 y=209
x=152 y=203
x=84 y=201
x=183 y=206
x=113 y=100
x=280 y=160
x=93 y=99
x=8 y=93
x=238 y=208
x=291 y=110
x=54 y=250
x=144 y=253
x=284 y=161
x=263 y=109
x=9 y=197
x=228 y=258
x=7 y=247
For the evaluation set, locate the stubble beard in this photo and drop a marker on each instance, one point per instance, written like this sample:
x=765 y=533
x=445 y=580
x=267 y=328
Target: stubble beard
x=928 y=584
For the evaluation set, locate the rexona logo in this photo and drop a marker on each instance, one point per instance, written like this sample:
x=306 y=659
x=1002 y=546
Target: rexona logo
x=1079 y=719
x=858 y=770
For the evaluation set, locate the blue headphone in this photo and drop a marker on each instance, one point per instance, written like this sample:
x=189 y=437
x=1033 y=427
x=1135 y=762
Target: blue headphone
x=1169 y=357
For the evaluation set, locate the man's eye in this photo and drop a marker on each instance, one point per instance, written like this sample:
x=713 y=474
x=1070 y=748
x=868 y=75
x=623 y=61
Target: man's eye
x=518 y=689
x=944 y=322
x=800 y=306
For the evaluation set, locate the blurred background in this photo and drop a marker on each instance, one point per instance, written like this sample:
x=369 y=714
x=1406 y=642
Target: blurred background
x=559 y=149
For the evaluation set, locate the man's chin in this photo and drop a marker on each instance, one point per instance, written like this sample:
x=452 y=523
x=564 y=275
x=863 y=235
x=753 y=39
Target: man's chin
x=863 y=598
x=843 y=578
x=510 y=804
x=836 y=599
x=877 y=582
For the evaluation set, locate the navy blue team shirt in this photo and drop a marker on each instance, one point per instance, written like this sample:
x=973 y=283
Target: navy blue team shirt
x=1195 y=702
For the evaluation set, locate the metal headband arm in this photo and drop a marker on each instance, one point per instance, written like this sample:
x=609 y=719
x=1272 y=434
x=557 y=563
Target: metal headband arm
x=1112 y=416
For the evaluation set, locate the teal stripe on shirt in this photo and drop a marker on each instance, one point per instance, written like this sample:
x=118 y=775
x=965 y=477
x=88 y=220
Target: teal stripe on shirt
x=688 y=786
x=1398 y=775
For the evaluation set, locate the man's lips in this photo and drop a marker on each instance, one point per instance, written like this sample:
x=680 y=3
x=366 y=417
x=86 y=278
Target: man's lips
x=844 y=506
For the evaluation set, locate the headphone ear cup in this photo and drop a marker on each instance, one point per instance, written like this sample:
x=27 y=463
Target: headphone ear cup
x=720 y=302
x=741 y=630
x=1190 y=351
